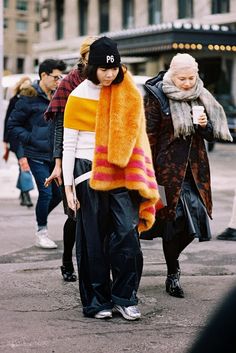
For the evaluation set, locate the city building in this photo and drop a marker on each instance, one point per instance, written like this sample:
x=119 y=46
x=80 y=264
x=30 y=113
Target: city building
x=21 y=29
x=148 y=33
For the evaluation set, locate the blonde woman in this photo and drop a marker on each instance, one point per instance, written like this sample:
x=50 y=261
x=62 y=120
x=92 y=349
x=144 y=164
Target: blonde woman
x=25 y=181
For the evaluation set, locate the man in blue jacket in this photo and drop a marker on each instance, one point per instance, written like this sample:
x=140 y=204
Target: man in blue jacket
x=27 y=124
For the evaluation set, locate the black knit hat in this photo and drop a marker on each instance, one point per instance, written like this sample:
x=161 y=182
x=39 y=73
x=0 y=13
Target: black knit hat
x=104 y=53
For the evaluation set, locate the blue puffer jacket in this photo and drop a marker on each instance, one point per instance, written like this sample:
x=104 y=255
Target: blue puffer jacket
x=27 y=124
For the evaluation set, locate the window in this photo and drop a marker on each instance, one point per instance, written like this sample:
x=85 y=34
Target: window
x=59 y=19
x=5 y=24
x=37 y=27
x=220 y=6
x=20 y=65
x=83 y=17
x=128 y=13
x=154 y=11
x=5 y=63
x=104 y=15
x=185 y=8
x=37 y=7
x=36 y=63
x=6 y=4
x=21 y=26
x=22 y=5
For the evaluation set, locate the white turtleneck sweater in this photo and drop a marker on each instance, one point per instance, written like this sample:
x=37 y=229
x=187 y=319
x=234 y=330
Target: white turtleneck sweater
x=78 y=142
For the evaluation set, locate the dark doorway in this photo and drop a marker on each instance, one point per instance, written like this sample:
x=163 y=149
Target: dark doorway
x=216 y=74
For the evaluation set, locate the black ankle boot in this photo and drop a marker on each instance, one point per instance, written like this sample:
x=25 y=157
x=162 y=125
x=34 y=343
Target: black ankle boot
x=173 y=286
x=25 y=199
x=68 y=273
x=22 y=199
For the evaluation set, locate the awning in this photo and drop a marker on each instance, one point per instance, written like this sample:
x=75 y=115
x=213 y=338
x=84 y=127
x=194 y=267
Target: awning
x=174 y=36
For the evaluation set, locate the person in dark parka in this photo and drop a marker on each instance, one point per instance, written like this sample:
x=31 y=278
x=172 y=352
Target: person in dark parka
x=180 y=158
x=27 y=124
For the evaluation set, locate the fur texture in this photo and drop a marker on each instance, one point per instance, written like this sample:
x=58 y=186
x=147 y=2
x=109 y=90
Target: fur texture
x=122 y=151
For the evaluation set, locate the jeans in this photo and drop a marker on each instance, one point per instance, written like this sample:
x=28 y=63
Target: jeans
x=48 y=198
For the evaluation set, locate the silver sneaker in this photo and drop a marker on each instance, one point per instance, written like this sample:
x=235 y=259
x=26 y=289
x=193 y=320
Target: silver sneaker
x=103 y=314
x=43 y=241
x=128 y=312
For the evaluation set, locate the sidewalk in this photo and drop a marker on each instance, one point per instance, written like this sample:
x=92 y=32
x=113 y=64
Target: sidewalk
x=42 y=314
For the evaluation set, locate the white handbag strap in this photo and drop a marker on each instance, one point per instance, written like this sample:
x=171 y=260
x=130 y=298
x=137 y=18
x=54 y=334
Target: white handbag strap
x=83 y=177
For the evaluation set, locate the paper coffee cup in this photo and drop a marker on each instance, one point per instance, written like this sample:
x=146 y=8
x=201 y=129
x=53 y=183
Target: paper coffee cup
x=197 y=111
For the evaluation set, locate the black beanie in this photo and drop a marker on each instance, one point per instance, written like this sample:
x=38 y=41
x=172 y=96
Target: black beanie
x=104 y=53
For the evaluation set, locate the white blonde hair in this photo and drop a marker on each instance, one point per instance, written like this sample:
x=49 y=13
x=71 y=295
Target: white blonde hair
x=182 y=61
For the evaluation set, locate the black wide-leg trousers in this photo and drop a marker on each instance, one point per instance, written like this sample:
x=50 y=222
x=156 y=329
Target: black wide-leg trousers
x=108 y=250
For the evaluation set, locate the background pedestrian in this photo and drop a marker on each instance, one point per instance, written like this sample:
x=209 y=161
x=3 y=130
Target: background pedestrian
x=55 y=112
x=180 y=158
x=24 y=181
x=27 y=124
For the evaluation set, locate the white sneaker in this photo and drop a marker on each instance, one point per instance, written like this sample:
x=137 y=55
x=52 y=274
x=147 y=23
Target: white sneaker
x=128 y=312
x=103 y=314
x=42 y=240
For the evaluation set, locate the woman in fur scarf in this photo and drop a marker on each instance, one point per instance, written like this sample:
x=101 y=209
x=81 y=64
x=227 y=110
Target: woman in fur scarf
x=107 y=157
x=180 y=158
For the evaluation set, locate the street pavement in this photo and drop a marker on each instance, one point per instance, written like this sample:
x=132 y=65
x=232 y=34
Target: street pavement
x=40 y=313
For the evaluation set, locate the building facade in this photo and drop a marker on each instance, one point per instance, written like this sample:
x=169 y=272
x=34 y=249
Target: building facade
x=148 y=33
x=21 y=30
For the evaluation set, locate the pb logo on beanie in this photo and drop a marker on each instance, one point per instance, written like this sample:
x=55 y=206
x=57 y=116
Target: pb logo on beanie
x=110 y=58
x=104 y=53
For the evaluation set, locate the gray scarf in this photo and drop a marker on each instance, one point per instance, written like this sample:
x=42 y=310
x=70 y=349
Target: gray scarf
x=181 y=103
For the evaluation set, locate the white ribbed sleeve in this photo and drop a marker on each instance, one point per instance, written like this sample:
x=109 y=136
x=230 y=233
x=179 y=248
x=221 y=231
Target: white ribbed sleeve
x=69 y=151
x=76 y=144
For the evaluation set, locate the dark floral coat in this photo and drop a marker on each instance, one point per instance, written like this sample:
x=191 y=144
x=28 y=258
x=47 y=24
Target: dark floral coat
x=171 y=156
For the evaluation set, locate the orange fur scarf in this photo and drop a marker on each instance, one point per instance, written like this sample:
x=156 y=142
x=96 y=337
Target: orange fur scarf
x=122 y=152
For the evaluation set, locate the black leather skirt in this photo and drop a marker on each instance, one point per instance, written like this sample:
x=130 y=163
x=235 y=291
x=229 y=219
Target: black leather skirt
x=191 y=217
